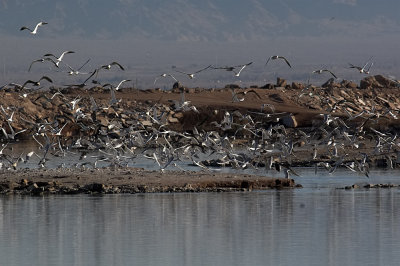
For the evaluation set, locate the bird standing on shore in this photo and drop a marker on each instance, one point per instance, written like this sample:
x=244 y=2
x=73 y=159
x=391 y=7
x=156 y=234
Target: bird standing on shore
x=274 y=57
x=34 y=31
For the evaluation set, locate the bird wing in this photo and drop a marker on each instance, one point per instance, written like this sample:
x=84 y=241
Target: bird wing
x=39 y=24
x=46 y=78
x=269 y=58
x=331 y=73
x=202 y=69
x=287 y=62
x=25 y=28
x=35 y=61
x=117 y=64
x=64 y=53
x=26 y=82
x=122 y=81
x=172 y=77
x=353 y=66
x=91 y=75
x=253 y=91
x=50 y=55
x=83 y=64
x=157 y=78
x=182 y=72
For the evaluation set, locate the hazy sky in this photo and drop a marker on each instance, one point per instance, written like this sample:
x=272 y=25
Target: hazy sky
x=148 y=37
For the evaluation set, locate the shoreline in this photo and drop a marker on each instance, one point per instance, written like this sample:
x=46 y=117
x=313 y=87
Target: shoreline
x=131 y=181
x=277 y=126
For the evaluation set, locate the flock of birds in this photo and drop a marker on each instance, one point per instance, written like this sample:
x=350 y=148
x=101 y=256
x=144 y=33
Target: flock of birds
x=145 y=133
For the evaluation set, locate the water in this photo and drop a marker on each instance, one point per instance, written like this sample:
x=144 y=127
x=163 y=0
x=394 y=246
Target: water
x=316 y=225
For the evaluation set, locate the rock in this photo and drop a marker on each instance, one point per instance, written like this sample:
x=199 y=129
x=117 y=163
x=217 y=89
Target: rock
x=297 y=86
x=372 y=82
x=349 y=84
x=280 y=82
x=330 y=83
x=289 y=121
x=172 y=119
x=268 y=86
x=178 y=115
x=381 y=162
x=276 y=98
x=385 y=82
x=232 y=86
x=146 y=123
x=95 y=187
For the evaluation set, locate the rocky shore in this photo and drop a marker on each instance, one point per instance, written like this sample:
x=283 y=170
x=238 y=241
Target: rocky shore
x=131 y=181
x=276 y=126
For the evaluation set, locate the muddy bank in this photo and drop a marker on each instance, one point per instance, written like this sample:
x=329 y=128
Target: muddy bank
x=130 y=180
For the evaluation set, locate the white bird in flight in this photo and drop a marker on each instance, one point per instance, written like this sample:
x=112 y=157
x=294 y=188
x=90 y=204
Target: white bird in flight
x=164 y=76
x=191 y=75
x=233 y=68
x=320 y=71
x=59 y=59
x=274 y=57
x=118 y=86
x=34 y=31
x=241 y=68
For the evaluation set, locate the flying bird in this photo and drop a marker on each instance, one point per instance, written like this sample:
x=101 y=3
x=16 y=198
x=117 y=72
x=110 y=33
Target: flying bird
x=241 y=68
x=73 y=71
x=235 y=94
x=119 y=85
x=42 y=60
x=274 y=57
x=164 y=76
x=363 y=69
x=108 y=67
x=34 y=31
x=36 y=83
x=60 y=58
x=320 y=71
x=233 y=68
x=191 y=75
x=112 y=64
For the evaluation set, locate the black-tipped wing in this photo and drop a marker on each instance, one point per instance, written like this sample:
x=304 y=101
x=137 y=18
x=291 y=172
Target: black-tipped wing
x=117 y=64
x=25 y=28
x=284 y=58
x=202 y=69
x=46 y=78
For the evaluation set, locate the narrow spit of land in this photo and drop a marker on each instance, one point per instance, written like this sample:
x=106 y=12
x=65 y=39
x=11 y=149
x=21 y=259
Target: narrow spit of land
x=131 y=180
x=300 y=120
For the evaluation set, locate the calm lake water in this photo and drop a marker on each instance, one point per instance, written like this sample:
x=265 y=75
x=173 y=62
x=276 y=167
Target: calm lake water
x=316 y=225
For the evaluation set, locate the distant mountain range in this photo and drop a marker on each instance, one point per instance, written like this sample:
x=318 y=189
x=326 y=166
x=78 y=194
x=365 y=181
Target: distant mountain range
x=218 y=20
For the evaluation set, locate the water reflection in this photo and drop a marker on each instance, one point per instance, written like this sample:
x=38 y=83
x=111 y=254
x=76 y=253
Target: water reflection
x=294 y=227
